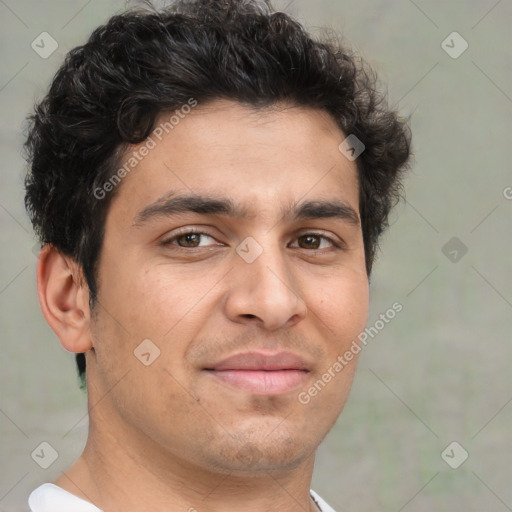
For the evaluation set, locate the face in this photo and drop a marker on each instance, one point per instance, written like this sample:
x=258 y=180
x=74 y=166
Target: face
x=217 y=316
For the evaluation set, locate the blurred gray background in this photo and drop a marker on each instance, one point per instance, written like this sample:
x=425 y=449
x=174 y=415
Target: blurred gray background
x=437 y=373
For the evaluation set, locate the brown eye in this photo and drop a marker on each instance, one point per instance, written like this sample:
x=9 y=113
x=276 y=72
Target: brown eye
x=310 y=241
x=188 y=239
x=314 y=241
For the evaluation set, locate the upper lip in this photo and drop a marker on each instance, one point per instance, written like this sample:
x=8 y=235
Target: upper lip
x=261 y=361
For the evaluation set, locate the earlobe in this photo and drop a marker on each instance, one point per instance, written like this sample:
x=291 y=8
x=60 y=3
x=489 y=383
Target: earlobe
x=64 y=299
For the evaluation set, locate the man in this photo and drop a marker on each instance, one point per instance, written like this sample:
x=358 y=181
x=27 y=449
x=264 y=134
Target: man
x=209 y=185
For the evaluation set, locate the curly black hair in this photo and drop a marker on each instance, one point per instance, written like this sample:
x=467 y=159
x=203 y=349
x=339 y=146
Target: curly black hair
x=109 y=92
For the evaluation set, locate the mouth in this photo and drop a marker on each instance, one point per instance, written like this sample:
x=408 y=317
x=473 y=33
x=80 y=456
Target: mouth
x=262 y=374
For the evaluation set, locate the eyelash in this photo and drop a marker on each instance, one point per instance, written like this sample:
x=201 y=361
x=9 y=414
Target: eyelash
x=168 y=242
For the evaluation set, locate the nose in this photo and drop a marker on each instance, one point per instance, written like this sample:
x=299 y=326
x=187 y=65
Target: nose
x=264 y=292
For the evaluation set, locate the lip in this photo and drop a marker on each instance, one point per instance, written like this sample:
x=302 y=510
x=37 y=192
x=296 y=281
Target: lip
x=260 y=373
x=261 y=361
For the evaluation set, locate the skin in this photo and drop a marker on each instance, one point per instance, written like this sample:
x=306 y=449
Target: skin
x=170 y=433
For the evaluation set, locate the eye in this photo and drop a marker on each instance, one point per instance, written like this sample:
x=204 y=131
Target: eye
x=314 y=241
x=189 y=239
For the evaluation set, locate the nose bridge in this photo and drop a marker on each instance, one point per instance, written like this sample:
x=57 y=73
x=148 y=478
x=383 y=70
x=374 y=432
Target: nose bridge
x=271 y=272
x=265 y=286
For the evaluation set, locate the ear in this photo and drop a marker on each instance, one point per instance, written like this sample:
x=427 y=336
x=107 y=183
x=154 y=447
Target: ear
x=64 y=299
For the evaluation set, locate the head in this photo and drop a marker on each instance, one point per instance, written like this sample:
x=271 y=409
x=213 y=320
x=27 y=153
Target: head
x=226 y=117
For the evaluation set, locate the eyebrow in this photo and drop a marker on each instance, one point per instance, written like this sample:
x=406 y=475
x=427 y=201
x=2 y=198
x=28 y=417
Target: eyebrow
x=172 y=205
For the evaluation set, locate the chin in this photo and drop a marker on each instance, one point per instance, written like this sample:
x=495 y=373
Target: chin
x=255 y=455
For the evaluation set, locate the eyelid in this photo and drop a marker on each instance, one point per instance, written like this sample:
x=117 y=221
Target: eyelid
x=335 y=241
x=185 y=231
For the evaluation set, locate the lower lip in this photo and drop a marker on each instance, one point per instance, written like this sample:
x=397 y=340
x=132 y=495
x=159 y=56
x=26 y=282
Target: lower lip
x=263 y=382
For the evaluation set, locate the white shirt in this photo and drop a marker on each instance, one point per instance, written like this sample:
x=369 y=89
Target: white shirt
x=51 y=498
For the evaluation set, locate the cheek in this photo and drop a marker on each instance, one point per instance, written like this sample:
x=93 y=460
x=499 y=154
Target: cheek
x=152 y=303
x=169 y=308
x=342 y=305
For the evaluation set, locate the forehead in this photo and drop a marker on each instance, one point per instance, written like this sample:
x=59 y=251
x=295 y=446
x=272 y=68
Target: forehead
x=262 y=158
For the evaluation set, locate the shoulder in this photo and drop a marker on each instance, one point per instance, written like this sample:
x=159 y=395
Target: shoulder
x=51 y=498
